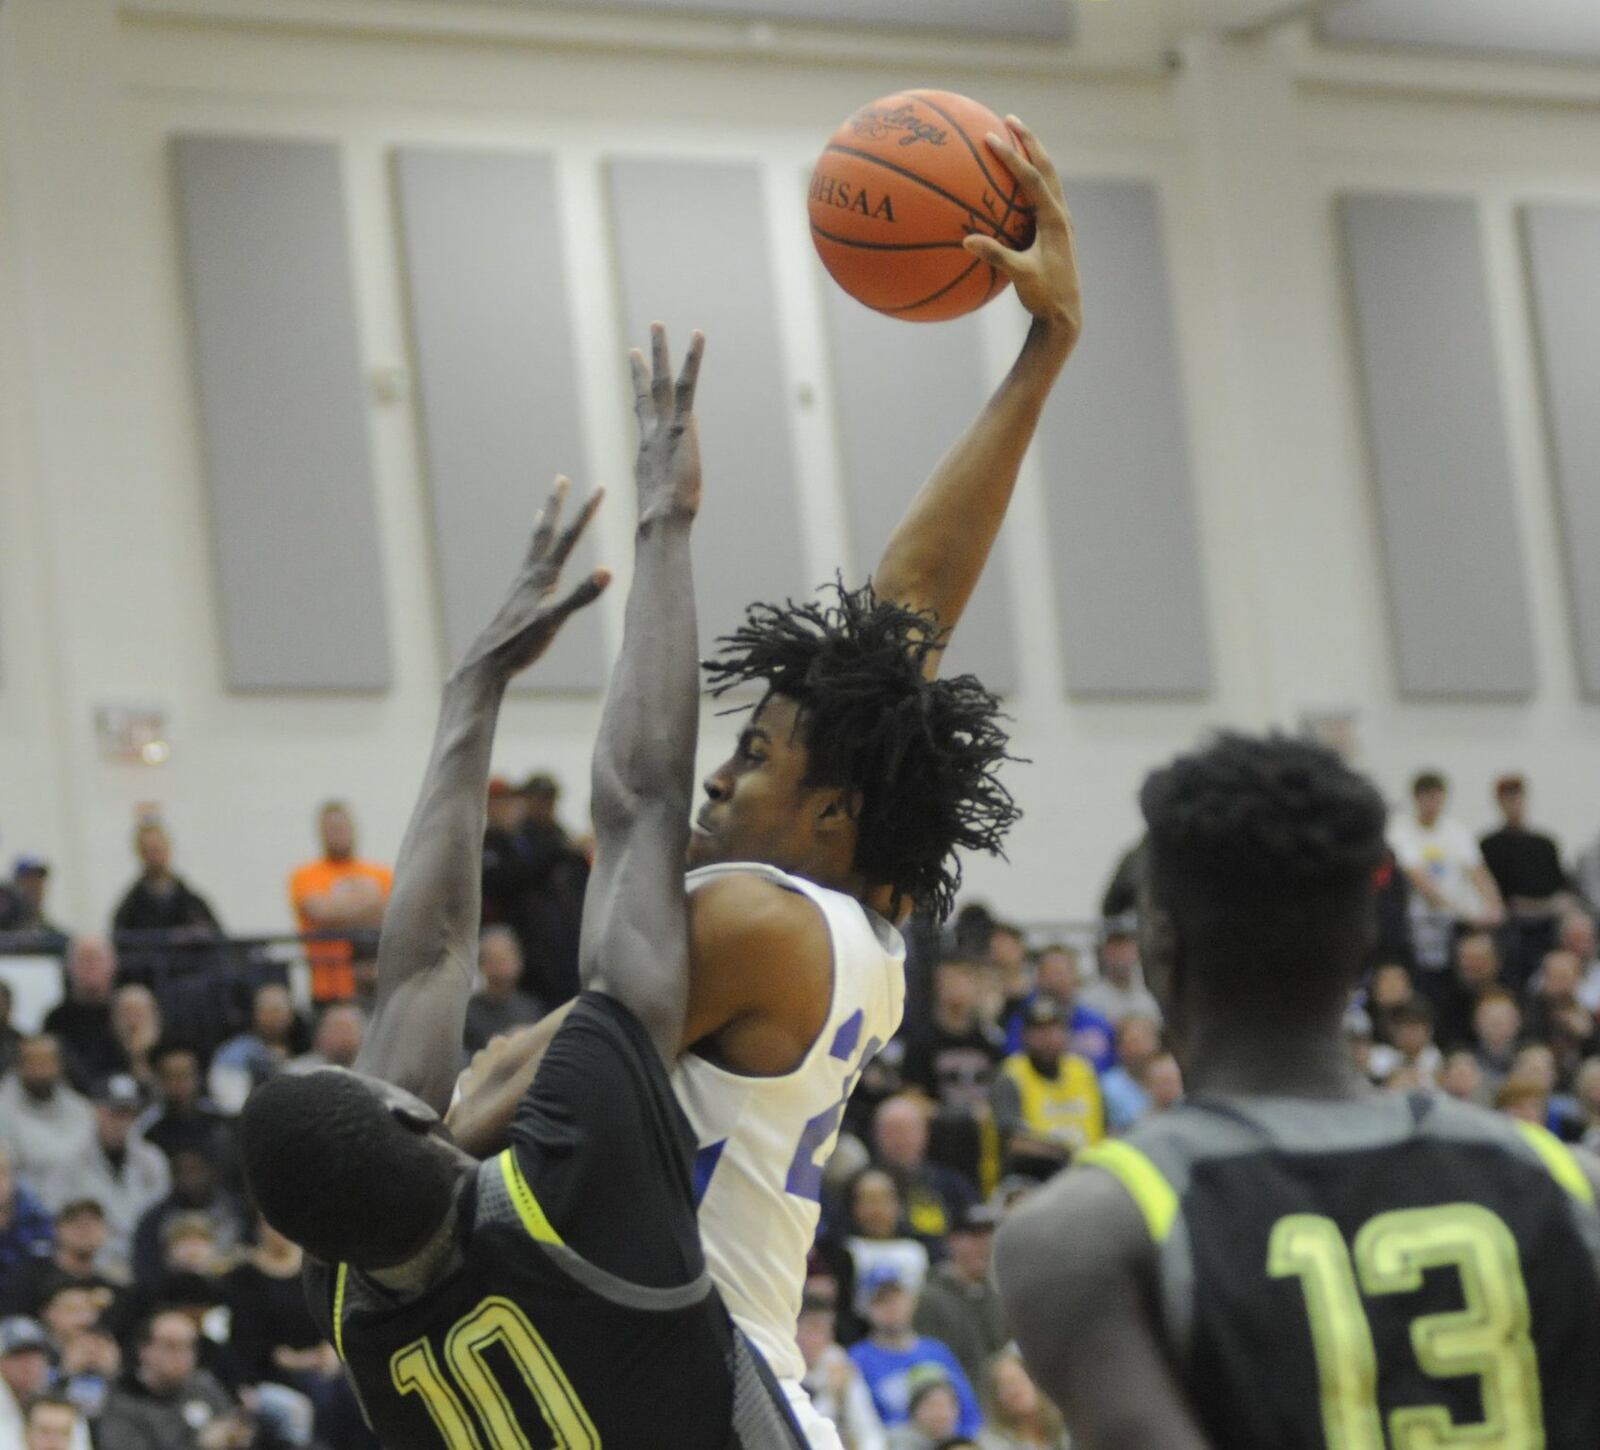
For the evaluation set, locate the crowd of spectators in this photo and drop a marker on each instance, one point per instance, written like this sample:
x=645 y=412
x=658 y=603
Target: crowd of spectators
x=143 y=1303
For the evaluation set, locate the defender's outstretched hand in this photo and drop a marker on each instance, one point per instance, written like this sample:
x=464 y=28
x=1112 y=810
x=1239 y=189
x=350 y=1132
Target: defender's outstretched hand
x=667 y=471
x=1046 y=274
x=525 y=624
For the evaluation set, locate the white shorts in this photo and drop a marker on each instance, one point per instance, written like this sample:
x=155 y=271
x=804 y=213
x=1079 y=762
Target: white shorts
x=818 y=1429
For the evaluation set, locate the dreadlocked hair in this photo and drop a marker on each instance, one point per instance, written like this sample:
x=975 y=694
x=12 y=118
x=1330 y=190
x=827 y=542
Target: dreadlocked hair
x=922 y=757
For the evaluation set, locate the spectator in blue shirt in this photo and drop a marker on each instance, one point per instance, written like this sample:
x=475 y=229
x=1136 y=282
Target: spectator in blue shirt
x=26 y=1230
x=893 y=1349
x=1122 y=1088
x=1089 y=1033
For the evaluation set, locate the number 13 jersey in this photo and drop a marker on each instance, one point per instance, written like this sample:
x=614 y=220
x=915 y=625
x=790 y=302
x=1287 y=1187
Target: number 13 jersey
x=763 y=1141
x=1392 y=1273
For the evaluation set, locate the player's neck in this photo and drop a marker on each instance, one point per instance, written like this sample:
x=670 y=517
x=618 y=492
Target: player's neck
x=433 y=1261
x=1270 y=1060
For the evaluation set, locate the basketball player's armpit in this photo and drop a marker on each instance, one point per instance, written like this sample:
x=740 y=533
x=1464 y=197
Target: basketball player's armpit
x=1076 y=1269
x=756 y=951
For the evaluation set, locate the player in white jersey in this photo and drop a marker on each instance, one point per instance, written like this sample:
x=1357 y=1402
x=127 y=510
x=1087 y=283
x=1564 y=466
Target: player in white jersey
x=856 y=778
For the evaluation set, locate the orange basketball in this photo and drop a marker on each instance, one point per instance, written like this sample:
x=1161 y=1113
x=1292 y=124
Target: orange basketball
x=897 y=189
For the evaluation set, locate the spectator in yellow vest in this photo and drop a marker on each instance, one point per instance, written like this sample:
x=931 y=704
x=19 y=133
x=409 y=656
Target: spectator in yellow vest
x=1046 y=1100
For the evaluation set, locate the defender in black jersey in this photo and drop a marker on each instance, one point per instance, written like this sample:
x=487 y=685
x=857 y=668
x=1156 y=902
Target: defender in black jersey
x=554 y=1297
x=1290 y=1260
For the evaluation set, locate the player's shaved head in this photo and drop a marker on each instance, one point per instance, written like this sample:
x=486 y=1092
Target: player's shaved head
x=1262 y=854
x=348 y=1167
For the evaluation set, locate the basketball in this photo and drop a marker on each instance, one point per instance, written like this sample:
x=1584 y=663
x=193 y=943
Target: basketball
x=898 y=188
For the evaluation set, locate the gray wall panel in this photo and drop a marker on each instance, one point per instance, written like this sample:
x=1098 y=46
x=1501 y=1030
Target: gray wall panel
x=1563 y=244
x=905 y=391
x=1115 y=454
x=692 y=245
x=283 y=414
x=1438 y=445
x=497 y=383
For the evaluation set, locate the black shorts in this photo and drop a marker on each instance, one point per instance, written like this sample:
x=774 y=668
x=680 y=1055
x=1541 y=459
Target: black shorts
x=607 y=1150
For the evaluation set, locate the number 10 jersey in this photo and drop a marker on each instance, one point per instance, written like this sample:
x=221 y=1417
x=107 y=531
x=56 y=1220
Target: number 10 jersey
x=763 y=1141
x=1394 y=1273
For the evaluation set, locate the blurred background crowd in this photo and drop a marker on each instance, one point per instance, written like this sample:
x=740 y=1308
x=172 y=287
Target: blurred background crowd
x=144 y=1304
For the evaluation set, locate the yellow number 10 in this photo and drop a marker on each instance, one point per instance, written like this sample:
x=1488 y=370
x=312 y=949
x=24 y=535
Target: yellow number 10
x=495 y=1321
x=1488 y=1337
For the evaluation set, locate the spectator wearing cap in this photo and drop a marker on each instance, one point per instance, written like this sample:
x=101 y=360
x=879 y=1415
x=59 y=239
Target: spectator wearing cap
x=931 y=1194
x=337 y=892
x=43 y=1121
x=1526 y=864
x=119 y=1171
x=500 y=1005
x=1119 y=991
x=838 y=1392
x=27 y=1232
x=1046 y=1101
x=159 y=899
x=893 y=1349
x=22 y=906
x=1122 y=1088
x=167 y=1401
x=1017 y=1416
x=959 y=1305
x=933 y=1411
x=75 y=1263
x=1450 y=884
x=25 y=1357
x=1058 y=980
x=877 y=1239
x=244 y=1062
x=81 y=1021
x=1412 y=1048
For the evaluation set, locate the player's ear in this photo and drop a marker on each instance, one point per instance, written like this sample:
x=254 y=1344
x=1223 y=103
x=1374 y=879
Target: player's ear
x=837 y=809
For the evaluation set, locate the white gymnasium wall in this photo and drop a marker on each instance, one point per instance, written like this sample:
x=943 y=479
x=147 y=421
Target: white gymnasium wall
x=106 y=579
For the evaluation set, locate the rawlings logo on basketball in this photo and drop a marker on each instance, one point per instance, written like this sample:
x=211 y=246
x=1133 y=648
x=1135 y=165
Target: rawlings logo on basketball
x=873 y=121
x=831 y=191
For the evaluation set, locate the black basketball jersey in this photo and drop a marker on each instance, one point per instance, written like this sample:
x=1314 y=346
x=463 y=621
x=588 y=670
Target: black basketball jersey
x=1400 y=1273
x=528 y=1343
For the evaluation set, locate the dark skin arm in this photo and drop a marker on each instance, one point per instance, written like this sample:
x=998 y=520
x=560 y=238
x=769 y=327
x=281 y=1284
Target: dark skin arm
x=937 y=553
x=635 y=943
x=428 y=951
x=1077 y=1275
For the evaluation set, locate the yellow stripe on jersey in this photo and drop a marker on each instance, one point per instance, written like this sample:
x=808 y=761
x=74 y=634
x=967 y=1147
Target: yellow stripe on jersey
x=338 y=1309
x=1143 y=1180
x=527 y=1206
x=1564 y=1168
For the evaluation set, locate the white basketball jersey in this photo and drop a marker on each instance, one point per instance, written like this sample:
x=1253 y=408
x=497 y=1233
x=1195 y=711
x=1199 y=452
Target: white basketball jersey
x=763 y=1141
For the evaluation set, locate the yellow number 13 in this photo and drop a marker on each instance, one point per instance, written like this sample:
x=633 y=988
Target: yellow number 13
x=415 y=1370
x=1487 y=1337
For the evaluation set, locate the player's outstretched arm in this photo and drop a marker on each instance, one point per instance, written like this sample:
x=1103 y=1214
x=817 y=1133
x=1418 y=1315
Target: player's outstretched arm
x=1076 y=1270
x=635 y=916
x=937 y=552
x=428 y=951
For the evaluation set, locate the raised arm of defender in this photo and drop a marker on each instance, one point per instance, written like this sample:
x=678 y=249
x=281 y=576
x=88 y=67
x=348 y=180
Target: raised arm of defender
x=635 y=930
x=428 y=952
x=936 y=554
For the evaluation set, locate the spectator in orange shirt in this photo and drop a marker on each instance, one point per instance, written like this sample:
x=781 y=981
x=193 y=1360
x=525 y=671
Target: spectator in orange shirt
x=337 y=893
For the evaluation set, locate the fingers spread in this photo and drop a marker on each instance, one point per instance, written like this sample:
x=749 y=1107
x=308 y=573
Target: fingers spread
x=996 y=254
x=575 y=532
x=1020 y=167
x=690 y=376
x=586 y=593
x=545 y=529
